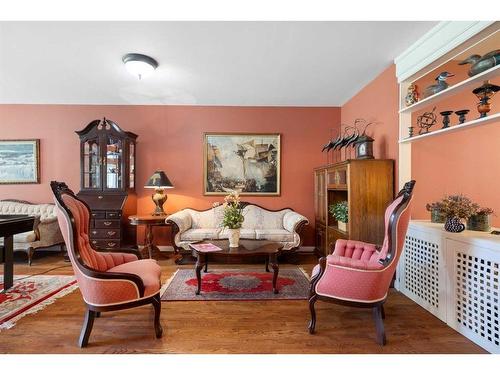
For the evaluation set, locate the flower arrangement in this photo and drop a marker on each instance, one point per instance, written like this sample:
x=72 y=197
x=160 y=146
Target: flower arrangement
x=233 y=213
x=458 y=206
x=436 y=210
x=340 y=211
x=480 y=221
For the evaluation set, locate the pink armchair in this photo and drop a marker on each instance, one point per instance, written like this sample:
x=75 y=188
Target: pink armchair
x=359 y=274
x=107 y=280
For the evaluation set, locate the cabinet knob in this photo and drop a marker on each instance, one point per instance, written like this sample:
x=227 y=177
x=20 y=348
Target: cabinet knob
x=100 y=197
x=94 y=242
x=107 y=223
x=111 y=233
x=111 y=244
x=94 y=232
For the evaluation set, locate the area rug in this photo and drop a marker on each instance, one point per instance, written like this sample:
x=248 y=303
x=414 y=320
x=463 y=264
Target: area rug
x=237 y=285
x=31 y=294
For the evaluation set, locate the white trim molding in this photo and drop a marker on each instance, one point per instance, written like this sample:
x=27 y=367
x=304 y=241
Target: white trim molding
x=441 y=39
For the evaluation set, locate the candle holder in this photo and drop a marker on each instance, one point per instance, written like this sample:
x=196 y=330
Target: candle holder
x=446 y=118
x=484 y=93
x=410 y=131
x=461 y=115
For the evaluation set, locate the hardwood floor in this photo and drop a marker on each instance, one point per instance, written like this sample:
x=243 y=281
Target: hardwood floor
x=228 y=327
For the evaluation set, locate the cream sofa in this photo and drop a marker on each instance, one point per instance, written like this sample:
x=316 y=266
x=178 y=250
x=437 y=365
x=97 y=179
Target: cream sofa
x=45 y=232
x=282 y=226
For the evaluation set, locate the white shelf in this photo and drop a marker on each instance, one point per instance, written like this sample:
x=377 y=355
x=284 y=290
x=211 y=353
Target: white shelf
x=454 y=128
x=452 y=90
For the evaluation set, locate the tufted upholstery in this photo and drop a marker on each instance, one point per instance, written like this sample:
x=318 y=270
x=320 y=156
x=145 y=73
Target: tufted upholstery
x=105 y=291
x=259 y=223
x=353 y=272
x=45 y=233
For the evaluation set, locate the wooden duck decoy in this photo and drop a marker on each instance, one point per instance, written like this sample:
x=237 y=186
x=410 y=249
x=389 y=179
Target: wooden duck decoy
x=480 y=64
x=439 y=86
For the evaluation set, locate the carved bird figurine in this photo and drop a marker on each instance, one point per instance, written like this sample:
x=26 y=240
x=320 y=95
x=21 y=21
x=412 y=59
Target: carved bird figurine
x=480 y=64
x=439 y=86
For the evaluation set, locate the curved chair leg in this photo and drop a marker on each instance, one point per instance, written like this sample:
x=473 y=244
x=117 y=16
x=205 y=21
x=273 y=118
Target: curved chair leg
x=157 y=306
x=88 y=322
x=312 y=322
x=383 y=311
x=379 y=324
x=31 y=251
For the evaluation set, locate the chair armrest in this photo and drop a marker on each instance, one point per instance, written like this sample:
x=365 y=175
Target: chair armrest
x=114 y=276
x=293 y=221
x=48 y=234
x=182 y=219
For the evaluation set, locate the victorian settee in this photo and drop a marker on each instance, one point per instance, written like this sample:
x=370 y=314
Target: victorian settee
x=45 y=232
x=283 y=226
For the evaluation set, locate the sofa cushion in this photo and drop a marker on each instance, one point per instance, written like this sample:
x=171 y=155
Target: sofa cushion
x=259 y=218
x=200 y=234
x=206 y=219
x=25 y=237
x=44 y=210
x=244 y=233
x=147 y=269
x=279 y=235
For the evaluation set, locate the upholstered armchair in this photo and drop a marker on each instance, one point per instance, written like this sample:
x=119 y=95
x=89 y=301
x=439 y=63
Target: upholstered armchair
x=359 y=274
x=107 y=280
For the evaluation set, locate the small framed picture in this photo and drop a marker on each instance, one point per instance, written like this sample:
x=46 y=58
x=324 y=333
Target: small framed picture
x=20 y=161
x=245 y=162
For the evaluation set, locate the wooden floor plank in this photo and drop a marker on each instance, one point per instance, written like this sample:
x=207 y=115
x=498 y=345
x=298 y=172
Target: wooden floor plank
x=227 y=326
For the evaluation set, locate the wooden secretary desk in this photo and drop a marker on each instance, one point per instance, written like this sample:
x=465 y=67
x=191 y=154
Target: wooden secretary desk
x=107 y=184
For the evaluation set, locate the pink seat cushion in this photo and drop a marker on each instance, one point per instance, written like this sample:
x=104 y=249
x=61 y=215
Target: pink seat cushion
x=359 y=264
x=147 y=269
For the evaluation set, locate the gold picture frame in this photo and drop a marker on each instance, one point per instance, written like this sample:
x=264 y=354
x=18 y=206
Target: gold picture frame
x=19 y=161
x=246 y=162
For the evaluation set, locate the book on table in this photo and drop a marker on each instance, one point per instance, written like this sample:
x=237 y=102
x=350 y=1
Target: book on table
x=205 y=247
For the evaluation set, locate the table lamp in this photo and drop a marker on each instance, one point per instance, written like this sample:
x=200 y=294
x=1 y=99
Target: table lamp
x=159 y=181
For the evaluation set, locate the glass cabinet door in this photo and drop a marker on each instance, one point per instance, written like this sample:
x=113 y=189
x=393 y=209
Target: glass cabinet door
x=114 y=163
x=131 y=153
x=91 y=164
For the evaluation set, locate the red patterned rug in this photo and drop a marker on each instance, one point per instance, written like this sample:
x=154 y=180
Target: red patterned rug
x=236 y=285
x=30 y=295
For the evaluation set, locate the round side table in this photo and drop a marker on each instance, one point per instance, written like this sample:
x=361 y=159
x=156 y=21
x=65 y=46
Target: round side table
x=149 y=221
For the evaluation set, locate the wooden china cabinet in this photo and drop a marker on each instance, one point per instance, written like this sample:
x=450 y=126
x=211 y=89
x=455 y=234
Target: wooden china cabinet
x=107 y=184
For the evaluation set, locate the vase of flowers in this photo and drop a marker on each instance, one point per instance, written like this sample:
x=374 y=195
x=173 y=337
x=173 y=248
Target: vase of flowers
x=340 y=211
x=233 y=217
x=457 y=208
x=480 y=221
x=435 y=208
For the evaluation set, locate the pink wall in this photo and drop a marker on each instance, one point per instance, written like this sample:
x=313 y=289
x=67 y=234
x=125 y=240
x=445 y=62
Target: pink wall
x=170 y=138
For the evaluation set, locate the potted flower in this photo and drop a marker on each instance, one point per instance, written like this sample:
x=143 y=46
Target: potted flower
x=480 y=221
x=436 y=210
x=233 y=217
x=457 y=208
x=340 y=211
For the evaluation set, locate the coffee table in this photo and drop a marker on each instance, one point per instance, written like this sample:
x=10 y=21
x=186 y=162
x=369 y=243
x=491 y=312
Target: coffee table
x=248 y=249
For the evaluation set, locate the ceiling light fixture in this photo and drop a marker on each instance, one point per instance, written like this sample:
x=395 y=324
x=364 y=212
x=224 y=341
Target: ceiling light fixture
x=139 y=65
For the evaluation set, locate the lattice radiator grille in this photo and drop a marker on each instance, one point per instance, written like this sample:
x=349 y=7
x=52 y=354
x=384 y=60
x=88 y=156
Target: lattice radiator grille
x=421 y=276
x=477 y=296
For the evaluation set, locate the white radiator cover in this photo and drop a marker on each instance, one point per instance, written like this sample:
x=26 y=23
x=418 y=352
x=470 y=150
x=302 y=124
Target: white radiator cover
x=456 y=277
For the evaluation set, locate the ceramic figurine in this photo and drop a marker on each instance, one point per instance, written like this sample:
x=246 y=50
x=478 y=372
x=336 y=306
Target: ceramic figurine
x=461 y=115
x=439 y=86
x=446 y=118
x=426 y=120
x=484 y=94
x=480 y=64
x=412 y=95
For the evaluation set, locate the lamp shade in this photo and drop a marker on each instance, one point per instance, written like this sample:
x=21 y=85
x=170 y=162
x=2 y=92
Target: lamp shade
x=158 y=180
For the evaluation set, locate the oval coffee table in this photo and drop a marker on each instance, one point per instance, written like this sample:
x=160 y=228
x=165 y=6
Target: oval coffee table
x=248 y=249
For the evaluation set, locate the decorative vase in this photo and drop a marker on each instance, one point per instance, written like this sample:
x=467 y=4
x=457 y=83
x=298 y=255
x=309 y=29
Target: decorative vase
x=437 y=216
x=453 y=224
x=342 y=226
x=484 y=93
x=234 y=237
x=480 y=222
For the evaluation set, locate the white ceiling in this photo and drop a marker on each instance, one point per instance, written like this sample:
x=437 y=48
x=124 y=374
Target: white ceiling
x=203 y=63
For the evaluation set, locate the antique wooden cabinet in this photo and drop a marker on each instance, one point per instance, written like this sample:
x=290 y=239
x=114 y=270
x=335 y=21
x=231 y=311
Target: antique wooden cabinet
x=107 y=158
x=368 y=187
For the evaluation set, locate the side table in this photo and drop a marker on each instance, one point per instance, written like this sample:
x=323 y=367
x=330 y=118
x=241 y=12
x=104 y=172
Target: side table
x=149 y=221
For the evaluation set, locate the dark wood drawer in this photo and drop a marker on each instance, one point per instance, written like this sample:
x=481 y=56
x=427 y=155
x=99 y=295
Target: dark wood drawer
x=106 y=244
x=104 y=233
x=98 y=214
x=113 y=214
x=105 y=224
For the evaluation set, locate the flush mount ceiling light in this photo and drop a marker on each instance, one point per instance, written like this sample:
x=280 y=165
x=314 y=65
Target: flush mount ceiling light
x=139 y=65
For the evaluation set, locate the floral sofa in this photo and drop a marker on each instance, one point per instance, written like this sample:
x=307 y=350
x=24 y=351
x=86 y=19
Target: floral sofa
x=45 y=232
x=284 y=226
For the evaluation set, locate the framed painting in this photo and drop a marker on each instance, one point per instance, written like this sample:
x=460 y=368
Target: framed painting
x=248 y=163
x=20 y=161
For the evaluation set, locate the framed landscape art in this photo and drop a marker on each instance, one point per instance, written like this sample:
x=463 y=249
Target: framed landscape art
x=248 y=163
x=20 y=161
